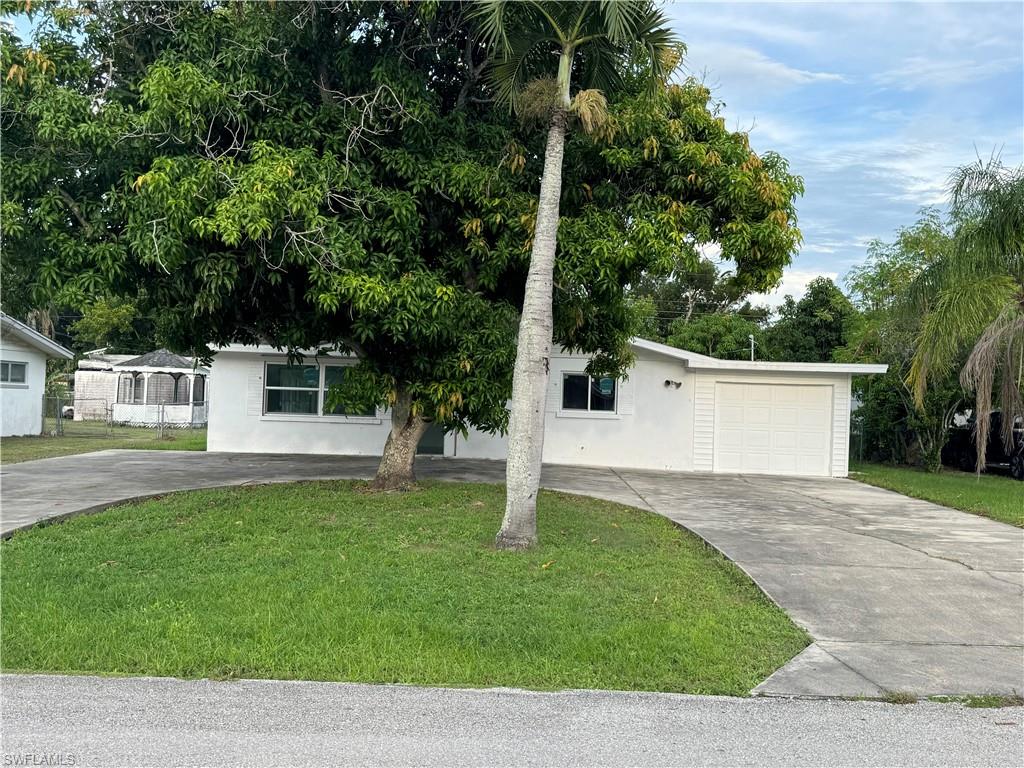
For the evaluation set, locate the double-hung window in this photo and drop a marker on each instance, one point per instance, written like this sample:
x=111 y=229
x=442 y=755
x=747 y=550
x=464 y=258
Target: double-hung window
x=581 y=392
x=292 y=389
x=304 y=389
x=333 y=376
x=12 y=373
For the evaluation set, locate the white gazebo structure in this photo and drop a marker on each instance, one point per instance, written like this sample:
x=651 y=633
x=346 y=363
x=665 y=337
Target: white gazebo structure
x=161 y=387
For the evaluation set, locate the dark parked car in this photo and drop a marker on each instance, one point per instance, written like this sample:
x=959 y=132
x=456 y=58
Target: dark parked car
x=960 y=450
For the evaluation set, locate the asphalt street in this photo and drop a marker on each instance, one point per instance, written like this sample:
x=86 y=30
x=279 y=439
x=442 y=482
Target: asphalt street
x=91 y=721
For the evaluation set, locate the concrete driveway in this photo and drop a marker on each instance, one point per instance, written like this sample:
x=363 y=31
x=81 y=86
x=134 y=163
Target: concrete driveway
x=899 y=594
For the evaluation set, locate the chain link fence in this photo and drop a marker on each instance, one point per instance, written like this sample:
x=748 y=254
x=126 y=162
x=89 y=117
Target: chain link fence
x=98 y=418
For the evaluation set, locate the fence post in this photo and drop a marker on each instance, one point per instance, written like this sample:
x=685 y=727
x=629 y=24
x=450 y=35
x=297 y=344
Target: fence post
x=160 y=421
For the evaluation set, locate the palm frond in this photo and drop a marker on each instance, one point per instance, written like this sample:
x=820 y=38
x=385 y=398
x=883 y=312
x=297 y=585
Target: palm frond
x=621 y=19
x=995 y=354
x=988 y=201
x=662 y=46
x=525 y=61
x=958 y=315
x=491 y=23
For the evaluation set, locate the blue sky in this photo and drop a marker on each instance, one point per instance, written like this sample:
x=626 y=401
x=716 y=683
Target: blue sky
x=872 y=103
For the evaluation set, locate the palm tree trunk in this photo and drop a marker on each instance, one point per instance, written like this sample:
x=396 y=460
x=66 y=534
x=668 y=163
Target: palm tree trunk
x=530 y=376
x=395 y=471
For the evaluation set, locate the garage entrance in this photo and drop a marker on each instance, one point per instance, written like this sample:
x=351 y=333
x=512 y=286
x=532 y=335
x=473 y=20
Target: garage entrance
x=778 y=429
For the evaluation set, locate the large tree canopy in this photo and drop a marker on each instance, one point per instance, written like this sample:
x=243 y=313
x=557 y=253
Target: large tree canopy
x=813 y=328
x=334 y=175
x=892 y=427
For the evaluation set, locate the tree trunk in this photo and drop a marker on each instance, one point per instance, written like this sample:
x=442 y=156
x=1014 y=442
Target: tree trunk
x=530 y=377
x=395 y=471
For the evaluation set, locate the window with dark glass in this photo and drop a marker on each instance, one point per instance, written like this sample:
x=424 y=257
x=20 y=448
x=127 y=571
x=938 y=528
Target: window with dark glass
x=292 y=388
x=12 y=373
x=334 y=375
x=602 y=394
x=588 y=393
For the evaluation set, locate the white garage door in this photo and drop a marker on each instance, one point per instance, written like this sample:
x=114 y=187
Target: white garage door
x=777 y=429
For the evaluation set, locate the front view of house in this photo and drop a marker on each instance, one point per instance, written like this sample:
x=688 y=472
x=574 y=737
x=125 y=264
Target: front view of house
x=676 y=410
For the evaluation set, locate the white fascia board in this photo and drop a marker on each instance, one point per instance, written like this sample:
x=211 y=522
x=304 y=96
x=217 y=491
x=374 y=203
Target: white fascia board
x=33 y=338
x=158 y=369
x=699 y=362
x=267 y=349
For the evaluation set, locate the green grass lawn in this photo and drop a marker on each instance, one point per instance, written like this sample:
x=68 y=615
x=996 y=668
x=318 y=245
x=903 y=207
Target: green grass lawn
x=15 y=449
x=325 y=581
x=996 y=496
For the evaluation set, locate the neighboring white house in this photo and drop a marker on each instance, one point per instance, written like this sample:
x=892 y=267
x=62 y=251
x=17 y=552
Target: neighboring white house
x=160 y=387
x=96 y=384
x=676 y=410
x=23 y=355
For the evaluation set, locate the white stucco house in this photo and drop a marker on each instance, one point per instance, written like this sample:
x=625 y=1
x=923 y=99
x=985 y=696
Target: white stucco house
x=23 y=355
x=676 y=410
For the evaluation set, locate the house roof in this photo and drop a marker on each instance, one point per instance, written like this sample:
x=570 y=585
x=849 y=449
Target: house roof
x=159 y=360
x=18 y=330
x=699 y=362
x=99 y=360
x=692 y=360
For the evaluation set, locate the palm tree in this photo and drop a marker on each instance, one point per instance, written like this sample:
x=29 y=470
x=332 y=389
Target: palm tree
x=595 y=42
x=974 y=296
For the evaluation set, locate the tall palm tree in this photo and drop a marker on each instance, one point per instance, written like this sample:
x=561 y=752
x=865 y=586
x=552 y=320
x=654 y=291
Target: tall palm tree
x=974 y=296
x=539 y=47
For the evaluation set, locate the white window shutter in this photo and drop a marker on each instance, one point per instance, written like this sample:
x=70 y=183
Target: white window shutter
x=625 y=397
x=554 y=403
x=254 y=391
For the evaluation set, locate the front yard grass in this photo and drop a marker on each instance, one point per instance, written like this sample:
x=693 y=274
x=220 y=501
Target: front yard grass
x=996 y=496
x=15 y=449
x=325 y=581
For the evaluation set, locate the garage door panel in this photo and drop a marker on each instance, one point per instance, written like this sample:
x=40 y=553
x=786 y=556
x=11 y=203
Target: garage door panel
x=786 y=416
x=731 y=415
x=784 y=395
x=773 y=428
x=811 y=441
x=785 y=441
x=733 y=392
x=784 y=465
x=731 y=439
x=756 y=394
x=758 y=414
x=811 y=417
x=758 y=439
x=729 y=461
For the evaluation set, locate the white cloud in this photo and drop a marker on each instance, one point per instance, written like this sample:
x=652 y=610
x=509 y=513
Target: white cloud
x=920 y=71
x=794 y=283
x=722 y=23
x=740 y=64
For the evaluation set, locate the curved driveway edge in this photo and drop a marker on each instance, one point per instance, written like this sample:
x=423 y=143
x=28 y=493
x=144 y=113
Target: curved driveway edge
x=899 y=594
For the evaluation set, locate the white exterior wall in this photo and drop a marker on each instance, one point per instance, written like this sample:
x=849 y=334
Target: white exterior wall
x=704 y=417
x=237 y=422
x=95 y=393
x=649 y=430
x=656 y=426
x=21 y=405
